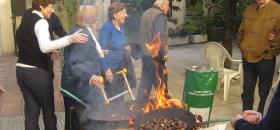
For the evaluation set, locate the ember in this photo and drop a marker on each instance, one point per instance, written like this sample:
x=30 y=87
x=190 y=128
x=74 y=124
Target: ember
x=164 y=124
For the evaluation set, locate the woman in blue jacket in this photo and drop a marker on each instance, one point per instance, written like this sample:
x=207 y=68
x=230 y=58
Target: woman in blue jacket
x=114 y=44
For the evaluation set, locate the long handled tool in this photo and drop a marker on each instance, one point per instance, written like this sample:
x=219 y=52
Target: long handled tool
x=105 y=95
x=123 y=72
x=74 y=97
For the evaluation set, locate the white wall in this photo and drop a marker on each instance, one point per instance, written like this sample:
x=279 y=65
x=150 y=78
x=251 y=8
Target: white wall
x=6 y=30
x=180 y=14
x=102 y=12
x=1 y=48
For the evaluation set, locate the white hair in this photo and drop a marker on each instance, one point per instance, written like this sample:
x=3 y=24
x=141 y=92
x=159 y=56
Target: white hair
x=159 y=3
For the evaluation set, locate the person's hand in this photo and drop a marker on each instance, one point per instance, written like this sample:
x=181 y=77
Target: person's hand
x=105 y=52
x=97 y=81
x=127 y=47
x=78 y=37
x=271 y=35
x=109 y=75
x=234 y=119
x=55 y=55
x=165 y=58
x=2 y=90
x=252 y=117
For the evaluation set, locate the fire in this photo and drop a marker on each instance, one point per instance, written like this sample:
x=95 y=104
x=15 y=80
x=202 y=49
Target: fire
x=161 y=101
x=162 y=98
x=165 y=71
x=154 y=47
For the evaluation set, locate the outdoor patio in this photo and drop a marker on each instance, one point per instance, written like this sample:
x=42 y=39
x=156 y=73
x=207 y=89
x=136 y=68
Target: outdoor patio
x=180 y=58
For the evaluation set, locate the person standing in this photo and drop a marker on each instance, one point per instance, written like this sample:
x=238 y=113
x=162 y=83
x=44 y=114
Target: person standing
x=114 y=43
x=33 y=68
x=71 y=120
x=258 y=50
x=153 y=27
x=82 y=70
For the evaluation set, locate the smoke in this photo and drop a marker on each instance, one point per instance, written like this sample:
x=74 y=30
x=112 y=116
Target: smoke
x=109 y=116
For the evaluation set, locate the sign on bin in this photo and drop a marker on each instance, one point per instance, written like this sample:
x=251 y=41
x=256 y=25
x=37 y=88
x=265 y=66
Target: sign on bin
x=199 y=89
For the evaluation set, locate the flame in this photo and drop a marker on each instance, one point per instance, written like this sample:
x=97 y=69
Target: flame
x=165 y=72
x=161 y=101
x=162 y=98
x=154 y=47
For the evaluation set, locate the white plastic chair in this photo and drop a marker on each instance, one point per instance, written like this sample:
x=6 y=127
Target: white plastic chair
x=217 y=54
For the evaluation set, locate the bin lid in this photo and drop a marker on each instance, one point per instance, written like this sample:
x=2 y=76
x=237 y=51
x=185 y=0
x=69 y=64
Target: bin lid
x=201 y=69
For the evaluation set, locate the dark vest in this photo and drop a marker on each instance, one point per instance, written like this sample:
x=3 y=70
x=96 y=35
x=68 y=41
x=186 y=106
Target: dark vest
x=29 y=51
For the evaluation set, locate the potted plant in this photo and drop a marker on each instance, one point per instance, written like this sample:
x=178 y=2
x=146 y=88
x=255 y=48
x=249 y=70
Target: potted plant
x=172 y=33
x=184 y=34
x=216 y=29
x=197 y=30
x=178 y=35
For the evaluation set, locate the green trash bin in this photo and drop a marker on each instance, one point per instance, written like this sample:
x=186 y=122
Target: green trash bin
x=199 y=89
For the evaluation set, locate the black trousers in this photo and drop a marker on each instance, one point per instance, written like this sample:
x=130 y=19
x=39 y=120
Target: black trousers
x=149 y=78
x=36 y=86
x=264 y=71
x=71 y=119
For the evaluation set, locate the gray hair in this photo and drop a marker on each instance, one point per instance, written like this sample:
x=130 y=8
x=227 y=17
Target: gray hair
x=159 y=3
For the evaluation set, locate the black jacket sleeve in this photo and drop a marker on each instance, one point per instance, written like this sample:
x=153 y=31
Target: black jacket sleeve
x=56 y=26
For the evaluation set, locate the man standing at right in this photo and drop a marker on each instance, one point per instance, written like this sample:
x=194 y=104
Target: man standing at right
x=259 y=41
x=153 y=30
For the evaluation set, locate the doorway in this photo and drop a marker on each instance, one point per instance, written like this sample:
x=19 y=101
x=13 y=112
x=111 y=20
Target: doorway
x=18 y=7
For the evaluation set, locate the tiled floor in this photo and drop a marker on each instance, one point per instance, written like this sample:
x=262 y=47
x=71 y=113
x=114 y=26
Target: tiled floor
x=180 y=57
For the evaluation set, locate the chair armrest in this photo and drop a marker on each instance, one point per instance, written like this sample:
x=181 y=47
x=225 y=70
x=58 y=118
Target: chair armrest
x=235 y=60
x=240 y=69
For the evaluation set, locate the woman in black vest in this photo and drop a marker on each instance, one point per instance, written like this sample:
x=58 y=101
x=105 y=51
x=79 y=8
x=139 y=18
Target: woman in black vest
x=33 y=68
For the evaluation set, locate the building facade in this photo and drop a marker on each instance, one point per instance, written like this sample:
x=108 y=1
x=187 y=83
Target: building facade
x=6 y=28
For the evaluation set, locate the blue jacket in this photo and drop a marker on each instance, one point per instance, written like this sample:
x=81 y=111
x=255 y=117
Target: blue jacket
x=81 y=61
x=113 y=40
